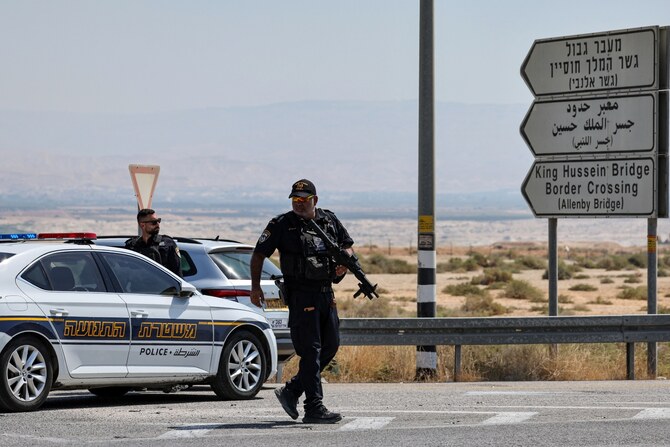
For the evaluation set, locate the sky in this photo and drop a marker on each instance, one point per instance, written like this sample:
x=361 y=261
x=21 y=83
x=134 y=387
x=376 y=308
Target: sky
x=145 y=56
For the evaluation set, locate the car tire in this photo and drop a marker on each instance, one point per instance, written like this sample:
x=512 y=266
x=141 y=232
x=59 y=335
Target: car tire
x=110 y=392
x=26 y=370
x=242 y=367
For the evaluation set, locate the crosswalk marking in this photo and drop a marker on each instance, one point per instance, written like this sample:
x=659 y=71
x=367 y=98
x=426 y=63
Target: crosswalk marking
x=366 y=424
x=509 y=417
x=189 y=431
x=653 y=413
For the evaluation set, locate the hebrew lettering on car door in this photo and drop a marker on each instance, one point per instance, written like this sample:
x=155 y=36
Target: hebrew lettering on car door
x=170 y=334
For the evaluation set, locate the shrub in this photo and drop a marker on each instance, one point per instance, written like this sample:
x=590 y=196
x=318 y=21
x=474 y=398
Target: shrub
x=580 y=308
x=600 y=300
x=492 y=275
x=522 y=290
x=482 y=306
x=564 y=271
x=381 y=264
x=482 y=260
x=606 y=280
x=583 y=288
x=457 y=265
x=632 y=279
x=463 y=289
x=615 y=262
x=633 y=293
x=564 y=299
x=531 y=263
x=638 y=260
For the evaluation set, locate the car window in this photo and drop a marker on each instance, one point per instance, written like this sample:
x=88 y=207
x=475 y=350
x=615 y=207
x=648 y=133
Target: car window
x=235 y=265
x=73 y=271
x=4 y=256
x=35 y=275
x=137 y=276
x=187 y=265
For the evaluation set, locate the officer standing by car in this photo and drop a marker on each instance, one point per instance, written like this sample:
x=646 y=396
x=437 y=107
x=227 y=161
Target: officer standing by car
x=159 y=247
x=309 y=272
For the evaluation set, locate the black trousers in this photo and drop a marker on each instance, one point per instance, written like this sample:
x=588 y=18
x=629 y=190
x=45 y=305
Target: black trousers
x=315 y=332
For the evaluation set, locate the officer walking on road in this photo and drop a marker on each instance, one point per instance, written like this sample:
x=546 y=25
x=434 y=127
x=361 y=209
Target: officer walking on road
x=309 y=272
x=159 y=247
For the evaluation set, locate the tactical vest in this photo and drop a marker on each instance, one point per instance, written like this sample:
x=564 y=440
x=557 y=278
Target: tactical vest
x=314 y=263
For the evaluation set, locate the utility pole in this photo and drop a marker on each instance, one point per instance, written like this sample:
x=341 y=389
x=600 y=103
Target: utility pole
x=426 y=356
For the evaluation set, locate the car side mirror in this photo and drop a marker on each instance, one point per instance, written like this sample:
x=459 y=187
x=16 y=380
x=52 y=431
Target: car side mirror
x=187 y=290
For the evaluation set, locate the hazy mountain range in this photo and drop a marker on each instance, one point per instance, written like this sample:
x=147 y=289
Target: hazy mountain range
x=362 y=154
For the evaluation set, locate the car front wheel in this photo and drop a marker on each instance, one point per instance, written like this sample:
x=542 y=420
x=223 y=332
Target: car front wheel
x=242 y=367
x=26 y=375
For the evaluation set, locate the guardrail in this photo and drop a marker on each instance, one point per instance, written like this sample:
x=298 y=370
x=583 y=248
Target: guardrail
x=629 y=329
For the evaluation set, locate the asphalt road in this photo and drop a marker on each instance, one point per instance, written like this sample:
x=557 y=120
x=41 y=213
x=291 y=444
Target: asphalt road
x=621 y=413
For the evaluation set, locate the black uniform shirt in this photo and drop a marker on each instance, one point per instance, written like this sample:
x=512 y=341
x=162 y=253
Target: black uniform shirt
x=283 y=233
x=162 y=249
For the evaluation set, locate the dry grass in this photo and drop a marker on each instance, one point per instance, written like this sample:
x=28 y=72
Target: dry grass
x=358 y=364
x=504 y=280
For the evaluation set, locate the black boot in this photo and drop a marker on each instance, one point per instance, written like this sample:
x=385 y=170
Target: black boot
x=321 y=415
x=288 y=401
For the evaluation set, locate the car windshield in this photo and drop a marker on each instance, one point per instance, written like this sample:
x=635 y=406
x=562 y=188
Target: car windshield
x=235 y=265
x=4 y=256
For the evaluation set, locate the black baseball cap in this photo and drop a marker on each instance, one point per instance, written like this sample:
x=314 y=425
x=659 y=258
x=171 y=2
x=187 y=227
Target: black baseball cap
x=303 y=188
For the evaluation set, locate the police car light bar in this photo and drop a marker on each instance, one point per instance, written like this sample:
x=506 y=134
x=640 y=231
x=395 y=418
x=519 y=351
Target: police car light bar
x=18 y=236
x=67 y=236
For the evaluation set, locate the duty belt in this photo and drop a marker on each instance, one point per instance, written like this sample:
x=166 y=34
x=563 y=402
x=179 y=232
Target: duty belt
x=315 y=288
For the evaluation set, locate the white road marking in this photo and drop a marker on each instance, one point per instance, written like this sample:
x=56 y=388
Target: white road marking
x=511 y=417
x=366 y=424
x=514 y=393
x=653 y=413
x=189 y=431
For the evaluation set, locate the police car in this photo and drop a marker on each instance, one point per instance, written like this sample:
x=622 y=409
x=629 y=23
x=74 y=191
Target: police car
x=78 y=315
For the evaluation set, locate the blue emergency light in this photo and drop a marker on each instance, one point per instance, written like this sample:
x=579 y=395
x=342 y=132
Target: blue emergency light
x=18 y=236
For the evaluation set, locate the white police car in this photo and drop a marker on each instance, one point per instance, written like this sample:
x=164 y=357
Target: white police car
x=78 y=315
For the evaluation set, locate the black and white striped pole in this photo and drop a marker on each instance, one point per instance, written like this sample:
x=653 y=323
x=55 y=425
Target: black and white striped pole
x=426 y=356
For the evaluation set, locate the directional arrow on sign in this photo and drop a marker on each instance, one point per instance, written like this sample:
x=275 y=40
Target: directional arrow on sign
x=593 y=62
x=592 y=125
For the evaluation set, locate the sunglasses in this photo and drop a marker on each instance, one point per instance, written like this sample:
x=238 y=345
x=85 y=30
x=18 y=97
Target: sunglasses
x=152 y=222
x=301 y=199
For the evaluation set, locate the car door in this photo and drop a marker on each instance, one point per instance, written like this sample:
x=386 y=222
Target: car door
x=92 y=323
x=170 y=335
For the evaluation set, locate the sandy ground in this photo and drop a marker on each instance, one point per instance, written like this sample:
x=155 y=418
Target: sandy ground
x=401 y=289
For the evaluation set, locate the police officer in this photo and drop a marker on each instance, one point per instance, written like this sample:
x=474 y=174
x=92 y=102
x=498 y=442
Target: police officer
x=162 y=249
x=309 y=272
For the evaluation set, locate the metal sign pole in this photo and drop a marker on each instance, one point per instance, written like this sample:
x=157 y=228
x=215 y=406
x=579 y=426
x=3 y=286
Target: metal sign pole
x=553 y=267
x=652 y=273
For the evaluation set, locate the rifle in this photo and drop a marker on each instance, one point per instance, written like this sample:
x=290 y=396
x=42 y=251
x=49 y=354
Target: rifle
x=349 y=261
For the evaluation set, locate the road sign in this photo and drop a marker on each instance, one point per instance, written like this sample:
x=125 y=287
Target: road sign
x=622 y=187
x=625 y=59
x=597 y=125
x=144 y=179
